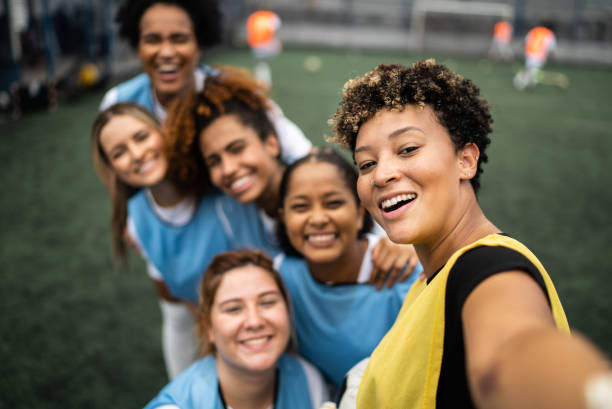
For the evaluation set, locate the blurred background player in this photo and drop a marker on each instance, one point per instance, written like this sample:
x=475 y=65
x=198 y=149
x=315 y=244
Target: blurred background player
x=539 y=43
x=261 y=29
x=501 y=45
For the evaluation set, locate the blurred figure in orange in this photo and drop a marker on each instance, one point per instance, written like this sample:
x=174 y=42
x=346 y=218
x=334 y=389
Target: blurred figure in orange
x=261 y=29
x=501 y=45
x=539 y=43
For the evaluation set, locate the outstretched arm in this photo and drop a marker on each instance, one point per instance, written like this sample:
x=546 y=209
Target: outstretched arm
x=515 y=356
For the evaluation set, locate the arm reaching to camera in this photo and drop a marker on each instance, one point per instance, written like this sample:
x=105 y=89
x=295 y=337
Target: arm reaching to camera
x=515 y=356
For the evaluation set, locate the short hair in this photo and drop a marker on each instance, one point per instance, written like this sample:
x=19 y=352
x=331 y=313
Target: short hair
x=204 y=15
x=221 y=264
x=231 y=91
x=455 y=101
x=348 y=177
x=120 y=191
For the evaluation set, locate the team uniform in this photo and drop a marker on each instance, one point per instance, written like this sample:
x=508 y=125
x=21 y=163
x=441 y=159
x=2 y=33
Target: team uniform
x=298 y=386
x=501 y=46
x=293 y=142
x=540 y=41
x=339 y=325
x=420 y=363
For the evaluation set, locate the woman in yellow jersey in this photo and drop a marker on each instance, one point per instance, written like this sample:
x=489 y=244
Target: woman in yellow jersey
x=486 y=329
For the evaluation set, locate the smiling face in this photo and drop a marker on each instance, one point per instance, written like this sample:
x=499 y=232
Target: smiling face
x=168 y=50
x=249 y=320
x=239 y=162
x=321 y=215
x=135 y=151
x=411 y=178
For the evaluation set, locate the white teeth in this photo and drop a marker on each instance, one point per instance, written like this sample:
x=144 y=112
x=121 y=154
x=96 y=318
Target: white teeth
x=256 y=341
x=320 y=238
x=240 y=182
x=145 y=166
x=166 y=68
x=399 y=198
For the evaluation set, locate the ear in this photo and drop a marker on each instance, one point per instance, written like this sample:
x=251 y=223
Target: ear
x=211 y=337
x=272 y=146
x=281 y=214
x=468 y=161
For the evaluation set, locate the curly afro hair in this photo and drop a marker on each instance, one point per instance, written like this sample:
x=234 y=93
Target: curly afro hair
x=232 y=91
x=204 y=14
x=456 y=102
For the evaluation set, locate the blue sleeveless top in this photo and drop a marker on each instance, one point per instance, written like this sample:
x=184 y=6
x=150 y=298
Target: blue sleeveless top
x=339 y=325
x=180 y=253
x=198 y=387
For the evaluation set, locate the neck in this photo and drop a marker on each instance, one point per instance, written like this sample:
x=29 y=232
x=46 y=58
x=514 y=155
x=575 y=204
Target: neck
x=472 y=225
x=269 y=200
x=246 y=390
x=344 y=269
x=166 y=194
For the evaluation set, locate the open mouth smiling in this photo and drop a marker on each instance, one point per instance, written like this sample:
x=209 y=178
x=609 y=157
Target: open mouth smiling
x=395 y=202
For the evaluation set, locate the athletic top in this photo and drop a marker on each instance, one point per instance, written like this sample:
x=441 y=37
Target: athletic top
x=339 y=325
x=179 y=252
x=538 y=43
x=261 y=28
x=299 y=386
x=502 y=32
x=420 y=362
x=293 y=142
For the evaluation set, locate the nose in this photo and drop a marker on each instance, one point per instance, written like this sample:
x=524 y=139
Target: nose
x=254 y=319
x=166 y=49
x=228 y=166
x=318 y=217
x=137 y=151
x=386 y=172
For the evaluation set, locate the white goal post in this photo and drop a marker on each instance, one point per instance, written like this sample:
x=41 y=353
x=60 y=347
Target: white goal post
x=420 y=9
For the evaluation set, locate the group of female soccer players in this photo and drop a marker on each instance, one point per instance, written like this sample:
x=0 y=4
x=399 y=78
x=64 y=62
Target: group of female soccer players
x=273 y=282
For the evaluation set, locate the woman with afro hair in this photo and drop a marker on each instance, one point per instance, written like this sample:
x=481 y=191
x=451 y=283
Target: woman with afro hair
x=486 y=328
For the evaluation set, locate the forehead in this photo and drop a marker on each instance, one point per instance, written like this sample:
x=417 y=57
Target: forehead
x=163 y=17
x=316 y=177
x=224 y=130
x=385 y=122
x=245 y=282
x=118 y=128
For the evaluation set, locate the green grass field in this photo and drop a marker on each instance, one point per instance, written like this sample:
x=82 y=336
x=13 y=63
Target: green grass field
x=75 y=334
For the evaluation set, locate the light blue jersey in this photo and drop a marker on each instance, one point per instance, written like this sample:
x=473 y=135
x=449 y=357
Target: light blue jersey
x=339 y=325
x=181 y=253
x=198 y=387
x=245 y=225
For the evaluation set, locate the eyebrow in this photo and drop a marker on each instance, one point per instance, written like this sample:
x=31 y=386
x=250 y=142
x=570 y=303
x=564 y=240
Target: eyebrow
x=392 y=135
x=275 y=292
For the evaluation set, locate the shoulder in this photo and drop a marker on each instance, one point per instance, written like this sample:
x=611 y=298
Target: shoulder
x=317 y=387
x=130 y=90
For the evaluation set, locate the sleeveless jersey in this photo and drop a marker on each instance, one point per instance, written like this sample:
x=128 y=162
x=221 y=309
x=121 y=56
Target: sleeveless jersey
x=198 y=387
x=180 y=253
x=339 y=325
x=404 y=370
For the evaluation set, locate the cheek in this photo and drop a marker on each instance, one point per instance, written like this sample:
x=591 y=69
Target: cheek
x=363 y=190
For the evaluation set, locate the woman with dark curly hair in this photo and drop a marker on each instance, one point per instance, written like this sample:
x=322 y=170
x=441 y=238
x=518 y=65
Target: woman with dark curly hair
x=170 y=37
x=486 y=329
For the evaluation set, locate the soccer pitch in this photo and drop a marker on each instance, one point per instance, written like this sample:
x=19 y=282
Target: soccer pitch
x=75 y=334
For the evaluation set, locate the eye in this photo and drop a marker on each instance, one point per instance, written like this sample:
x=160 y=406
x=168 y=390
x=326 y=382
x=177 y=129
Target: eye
x=180 y=38
x=141 y=136
x=232 y=309
x=117 y=153
x=335 y=203
x=408 y=150
x=298 y=207
x=212 y=161
x=151 y=38
x=365 y=166
x=269 y=301
x=236 y=148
